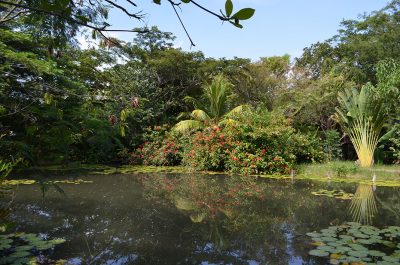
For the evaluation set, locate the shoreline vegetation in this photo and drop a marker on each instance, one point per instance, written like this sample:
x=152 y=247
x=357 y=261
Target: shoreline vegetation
x=336 y=171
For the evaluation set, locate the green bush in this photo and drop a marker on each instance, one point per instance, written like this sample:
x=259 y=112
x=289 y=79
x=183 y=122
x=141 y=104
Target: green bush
x=344 y=170
x=332 y=146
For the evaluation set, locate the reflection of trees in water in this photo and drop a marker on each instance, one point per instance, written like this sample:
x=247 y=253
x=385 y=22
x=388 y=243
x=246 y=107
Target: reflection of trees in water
x=181 y=219
x=260 y=220
x=391 y=204
x=363 y=205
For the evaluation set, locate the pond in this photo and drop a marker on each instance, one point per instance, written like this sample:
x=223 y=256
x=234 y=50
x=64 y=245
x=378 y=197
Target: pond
x=194 y=219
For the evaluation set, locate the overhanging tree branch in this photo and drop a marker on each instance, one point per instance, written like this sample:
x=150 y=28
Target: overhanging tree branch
x=173 y=4
x=134 y=15
x=210 y=12
x=97 y=18
x=71 y=19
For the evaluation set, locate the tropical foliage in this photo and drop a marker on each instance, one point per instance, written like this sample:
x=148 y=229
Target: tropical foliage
x=218 y=96
x=362 y=118
x=60 y=103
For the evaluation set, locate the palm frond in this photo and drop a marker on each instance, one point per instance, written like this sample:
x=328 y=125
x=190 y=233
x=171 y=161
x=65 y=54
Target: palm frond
x=217 y=93
x=183 y=115
x=192 y=100
x=188 y=125
x=237 y=110
x=200 y=115
x=228 y=122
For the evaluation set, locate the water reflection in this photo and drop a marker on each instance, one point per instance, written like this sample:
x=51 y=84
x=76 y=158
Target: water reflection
x=187 y=219
x=363 y=205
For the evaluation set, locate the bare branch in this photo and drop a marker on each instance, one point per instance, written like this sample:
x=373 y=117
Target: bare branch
x=132 y=3
x=4 y=19
x=210 y=12
x=12 y=9
x=134 y=15
x=173 y=4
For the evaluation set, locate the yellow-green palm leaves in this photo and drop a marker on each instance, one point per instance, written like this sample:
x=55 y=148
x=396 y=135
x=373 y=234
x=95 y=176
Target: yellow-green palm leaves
x=362 y=118
x=217 y=94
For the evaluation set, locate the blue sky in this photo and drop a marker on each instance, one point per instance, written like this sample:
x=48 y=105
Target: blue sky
x=278 y=26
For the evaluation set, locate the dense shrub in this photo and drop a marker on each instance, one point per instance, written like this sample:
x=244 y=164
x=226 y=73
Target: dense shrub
x=208 y=149
x=259 y=142
x=307 y=148
x=159 y=149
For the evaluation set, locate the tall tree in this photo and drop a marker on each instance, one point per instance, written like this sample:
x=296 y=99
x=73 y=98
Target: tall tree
x=358 y=47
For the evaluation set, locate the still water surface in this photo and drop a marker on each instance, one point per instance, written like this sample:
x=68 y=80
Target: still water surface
x=190 y=219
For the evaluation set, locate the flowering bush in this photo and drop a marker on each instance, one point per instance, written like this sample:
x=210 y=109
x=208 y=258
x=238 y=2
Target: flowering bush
x=208 y=150
x=164 y=153
x=160 y=149
x=261 y=161
x=263 y=144
x=232 y=150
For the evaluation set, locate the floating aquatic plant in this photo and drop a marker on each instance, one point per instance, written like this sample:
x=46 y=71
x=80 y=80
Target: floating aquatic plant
x=21 y=248
x=337 y=194
x=353 y=243
x=32 y=181
x=19 y=182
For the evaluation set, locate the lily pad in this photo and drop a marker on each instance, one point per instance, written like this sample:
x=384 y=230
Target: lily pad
x=337 y=194
x=358 y=254
x=376 y=253
x=391 y=259
x=360 y=244
x=314 y=234
x=318 y=253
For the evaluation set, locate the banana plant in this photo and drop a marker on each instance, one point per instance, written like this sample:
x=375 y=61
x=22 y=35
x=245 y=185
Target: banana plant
x=362 y=118
x=218 y=95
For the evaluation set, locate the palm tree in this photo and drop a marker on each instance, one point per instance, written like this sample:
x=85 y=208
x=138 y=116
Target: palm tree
x=362 y=118
x=218 y=95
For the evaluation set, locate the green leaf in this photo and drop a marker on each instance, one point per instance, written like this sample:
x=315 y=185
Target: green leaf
x=313 y=234
x=318 y=253
x=244 y=13
x=186 y=1
x=158 y=2
x=358 y=254
x=228 y=8
x=376 y=253
x=236 y=25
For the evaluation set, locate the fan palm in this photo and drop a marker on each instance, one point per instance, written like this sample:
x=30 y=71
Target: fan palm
x=362 y=118
x=218 y=95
